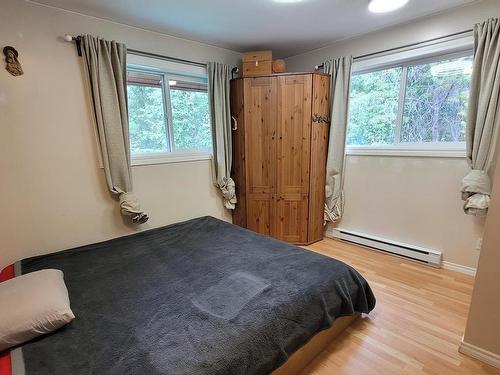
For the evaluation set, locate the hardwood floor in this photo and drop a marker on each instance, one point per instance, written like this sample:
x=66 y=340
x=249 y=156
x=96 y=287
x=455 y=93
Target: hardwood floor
x=416 y=326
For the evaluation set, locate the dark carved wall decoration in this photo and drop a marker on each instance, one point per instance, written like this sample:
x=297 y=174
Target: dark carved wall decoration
x=13 y=66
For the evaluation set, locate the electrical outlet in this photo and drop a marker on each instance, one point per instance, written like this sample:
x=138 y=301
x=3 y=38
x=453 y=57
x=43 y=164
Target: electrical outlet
x=479 y=243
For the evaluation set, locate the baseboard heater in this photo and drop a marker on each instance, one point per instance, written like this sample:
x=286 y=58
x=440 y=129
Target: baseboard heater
x=419 y=254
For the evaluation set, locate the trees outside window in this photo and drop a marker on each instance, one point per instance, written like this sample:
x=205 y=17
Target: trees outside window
x=415 y=103
x=191 y=119
x=167 y=113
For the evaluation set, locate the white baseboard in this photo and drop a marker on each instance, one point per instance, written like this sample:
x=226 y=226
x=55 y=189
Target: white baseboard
x=459 y=268
x=391 y=247
x=485 y=356
x=427 y=256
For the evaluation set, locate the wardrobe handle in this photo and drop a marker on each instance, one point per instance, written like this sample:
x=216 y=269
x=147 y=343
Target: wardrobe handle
x=235 y=127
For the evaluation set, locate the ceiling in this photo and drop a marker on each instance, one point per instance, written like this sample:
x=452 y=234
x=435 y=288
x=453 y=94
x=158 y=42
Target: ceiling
x=244 y=25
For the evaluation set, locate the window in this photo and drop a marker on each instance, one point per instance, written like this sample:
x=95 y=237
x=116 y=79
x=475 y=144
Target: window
x=421 y=104
x=374 y=107
x=190 y=116
x=168 y=115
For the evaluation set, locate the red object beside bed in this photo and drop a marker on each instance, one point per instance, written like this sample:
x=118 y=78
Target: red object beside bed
x=5 y=363
x=7 y=273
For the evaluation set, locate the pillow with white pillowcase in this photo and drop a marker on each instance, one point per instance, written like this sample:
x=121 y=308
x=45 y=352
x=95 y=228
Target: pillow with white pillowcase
x=32 y=305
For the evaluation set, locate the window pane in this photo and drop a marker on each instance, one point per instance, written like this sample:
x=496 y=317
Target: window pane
x=190 y=116
x=373 y=107
x=146 y=113
x=435 y=107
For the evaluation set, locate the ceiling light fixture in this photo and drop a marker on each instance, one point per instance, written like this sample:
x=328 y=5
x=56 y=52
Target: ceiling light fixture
x=384 y=6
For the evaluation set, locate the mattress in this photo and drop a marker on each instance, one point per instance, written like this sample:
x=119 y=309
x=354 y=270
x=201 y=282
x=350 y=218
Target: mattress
x=197 y=297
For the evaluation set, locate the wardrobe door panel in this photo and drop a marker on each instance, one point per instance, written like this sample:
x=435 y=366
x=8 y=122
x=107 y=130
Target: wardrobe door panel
x=294 y=133
x=319 y=146
x=261 y=211
x=260 y=134
x=238 y=172
x=292 y=212
x=294 y=142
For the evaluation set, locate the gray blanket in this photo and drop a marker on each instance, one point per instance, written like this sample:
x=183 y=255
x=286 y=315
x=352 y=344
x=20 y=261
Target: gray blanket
x=198 y=297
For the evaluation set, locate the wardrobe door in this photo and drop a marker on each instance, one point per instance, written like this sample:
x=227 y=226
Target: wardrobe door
x=238 y=172
x=260 y=153
x=319 y=146
x=261 y=217
x=292 y=210
x=294 y=142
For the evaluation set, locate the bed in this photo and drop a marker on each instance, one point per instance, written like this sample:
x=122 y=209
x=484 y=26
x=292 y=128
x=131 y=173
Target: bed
x=197 y=297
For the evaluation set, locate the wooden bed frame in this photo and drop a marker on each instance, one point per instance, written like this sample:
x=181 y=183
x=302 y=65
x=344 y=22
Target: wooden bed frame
x=302 y=357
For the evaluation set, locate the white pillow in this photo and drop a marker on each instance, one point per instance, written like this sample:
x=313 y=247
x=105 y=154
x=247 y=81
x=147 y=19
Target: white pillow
x=32 y=305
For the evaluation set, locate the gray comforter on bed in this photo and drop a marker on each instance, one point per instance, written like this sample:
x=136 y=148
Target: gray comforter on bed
x=198 y=297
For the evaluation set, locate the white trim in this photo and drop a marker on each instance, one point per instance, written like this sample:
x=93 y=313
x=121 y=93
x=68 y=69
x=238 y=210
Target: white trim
x=403 y=83
x=168 y=157
x=483 y=355
x=405 y=55
x=429 y=256
x=152 y=64
x=440 y=151
x=471 y=271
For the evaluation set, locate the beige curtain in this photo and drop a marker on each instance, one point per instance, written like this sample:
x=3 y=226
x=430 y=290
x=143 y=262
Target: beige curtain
x=219 y=77
x=340 y=83
x=483 y=121
x=105 y=64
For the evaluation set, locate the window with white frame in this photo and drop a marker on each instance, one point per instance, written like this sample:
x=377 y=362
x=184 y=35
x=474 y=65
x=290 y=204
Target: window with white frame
x=168 y=114
x=421 y=103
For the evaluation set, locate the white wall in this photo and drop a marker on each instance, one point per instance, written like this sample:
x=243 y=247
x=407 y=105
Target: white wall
x=409 y=199
x=53 y=194
x=412 y=200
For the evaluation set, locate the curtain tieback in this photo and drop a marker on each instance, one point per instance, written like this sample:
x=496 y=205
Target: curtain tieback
x=129 y=205
x=228 y=190
x=476 y=190
x=334 y=208
x=476 y=181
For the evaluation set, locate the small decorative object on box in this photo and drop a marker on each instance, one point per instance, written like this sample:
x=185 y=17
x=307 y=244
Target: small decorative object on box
x=279 y=66
x=257 y=63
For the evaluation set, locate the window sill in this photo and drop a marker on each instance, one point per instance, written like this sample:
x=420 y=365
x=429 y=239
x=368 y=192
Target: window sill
x=169 y=158
x=430 y=152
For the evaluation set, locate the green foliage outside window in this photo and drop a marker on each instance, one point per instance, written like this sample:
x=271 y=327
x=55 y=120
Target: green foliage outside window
x=146 y=119
x=191 y=120
x=187 y=124
x=374 y=107
x=434 y=107
x=436 y=102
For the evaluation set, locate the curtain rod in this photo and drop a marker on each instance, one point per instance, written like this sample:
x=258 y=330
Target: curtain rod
x=166 y=58
x=317 y=67
x=77 y=40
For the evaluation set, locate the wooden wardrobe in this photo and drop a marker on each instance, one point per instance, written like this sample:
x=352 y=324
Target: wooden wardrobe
x=280 y=140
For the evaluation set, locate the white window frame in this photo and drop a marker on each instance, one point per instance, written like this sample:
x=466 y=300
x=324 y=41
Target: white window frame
x=451 y=48
x=169 y=71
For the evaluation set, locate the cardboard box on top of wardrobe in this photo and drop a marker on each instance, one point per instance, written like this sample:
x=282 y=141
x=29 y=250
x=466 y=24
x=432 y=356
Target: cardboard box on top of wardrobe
x=258 y=63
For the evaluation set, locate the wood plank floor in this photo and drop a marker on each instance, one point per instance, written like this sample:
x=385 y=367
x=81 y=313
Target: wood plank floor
x=416 y=326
